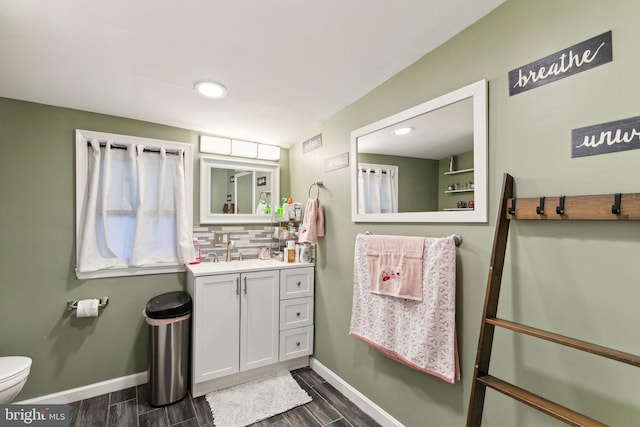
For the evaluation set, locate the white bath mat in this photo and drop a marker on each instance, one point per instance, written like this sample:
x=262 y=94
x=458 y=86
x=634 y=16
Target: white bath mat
x=257 y=400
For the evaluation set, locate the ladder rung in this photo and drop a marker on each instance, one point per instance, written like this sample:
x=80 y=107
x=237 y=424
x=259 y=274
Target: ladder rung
x=540 y=403
x=610 y=353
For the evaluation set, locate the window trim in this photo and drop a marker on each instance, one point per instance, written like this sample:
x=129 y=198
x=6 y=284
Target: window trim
x=82 y=139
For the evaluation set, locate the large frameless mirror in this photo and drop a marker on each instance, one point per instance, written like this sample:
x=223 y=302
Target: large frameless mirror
x=424 y=164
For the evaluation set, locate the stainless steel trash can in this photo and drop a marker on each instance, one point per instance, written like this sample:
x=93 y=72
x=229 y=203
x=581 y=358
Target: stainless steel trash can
x=169 y=317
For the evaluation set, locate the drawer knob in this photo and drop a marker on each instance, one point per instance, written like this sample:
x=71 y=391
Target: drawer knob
x=299 y=283
x=298 y=314
x=298 y=344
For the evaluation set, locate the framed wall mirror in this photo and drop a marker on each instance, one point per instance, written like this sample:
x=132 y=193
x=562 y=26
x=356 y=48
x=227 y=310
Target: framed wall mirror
x=236 y=191
x=424 y=164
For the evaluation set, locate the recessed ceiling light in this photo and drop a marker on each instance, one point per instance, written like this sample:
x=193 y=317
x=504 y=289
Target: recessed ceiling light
x=211 y=89
x=402 y=131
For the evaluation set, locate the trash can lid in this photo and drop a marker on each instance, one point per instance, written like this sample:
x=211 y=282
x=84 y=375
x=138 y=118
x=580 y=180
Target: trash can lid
x=171 y=304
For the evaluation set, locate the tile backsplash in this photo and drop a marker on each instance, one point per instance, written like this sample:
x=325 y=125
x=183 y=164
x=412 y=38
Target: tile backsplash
x=247 y=239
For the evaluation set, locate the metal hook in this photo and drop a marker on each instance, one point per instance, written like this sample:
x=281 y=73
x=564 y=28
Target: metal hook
x=617 y=201
x=540 y=208
x=512 y=209
x=560 y=207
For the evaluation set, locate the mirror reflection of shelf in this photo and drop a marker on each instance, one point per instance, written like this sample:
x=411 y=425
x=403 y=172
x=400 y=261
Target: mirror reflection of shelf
x=457 y=209
x=459 y=171
x=467 y=190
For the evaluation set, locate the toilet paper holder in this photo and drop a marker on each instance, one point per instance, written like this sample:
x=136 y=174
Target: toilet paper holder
x=72 y=304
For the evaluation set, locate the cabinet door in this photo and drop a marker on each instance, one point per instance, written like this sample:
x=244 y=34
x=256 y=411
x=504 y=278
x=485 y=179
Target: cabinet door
x=259 y=319
x=216 y=326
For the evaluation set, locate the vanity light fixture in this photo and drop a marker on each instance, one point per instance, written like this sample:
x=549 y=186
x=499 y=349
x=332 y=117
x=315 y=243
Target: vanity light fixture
x=211 y=89
x=268 y=152
x=215 y=145
x=402 y=131
x=244 y=149
x=235 y=147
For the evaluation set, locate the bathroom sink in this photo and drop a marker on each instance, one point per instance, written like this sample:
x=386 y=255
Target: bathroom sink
x=236 y=266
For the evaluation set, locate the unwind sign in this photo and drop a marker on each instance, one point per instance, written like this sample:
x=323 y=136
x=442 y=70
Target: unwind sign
x=567 y=62
x=620 y=135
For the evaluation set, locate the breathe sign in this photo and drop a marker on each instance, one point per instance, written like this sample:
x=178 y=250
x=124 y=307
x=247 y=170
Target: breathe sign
x=620 y=135
x=567 y=62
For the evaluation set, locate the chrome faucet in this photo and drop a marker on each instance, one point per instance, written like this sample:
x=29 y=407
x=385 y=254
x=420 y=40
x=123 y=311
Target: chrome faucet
x=229 y=247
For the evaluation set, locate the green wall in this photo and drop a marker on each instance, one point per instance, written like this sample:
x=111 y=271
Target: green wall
x=576 y=279
x=417 y=181
x=219 y=198
x=37 y=253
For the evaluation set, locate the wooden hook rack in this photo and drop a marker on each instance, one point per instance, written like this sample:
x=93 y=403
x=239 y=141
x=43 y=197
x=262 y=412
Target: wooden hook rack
x=603 y=207
x=615 y=207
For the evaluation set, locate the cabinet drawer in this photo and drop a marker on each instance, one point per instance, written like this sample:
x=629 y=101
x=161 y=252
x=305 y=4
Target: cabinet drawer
x=296 y=283
x=295 y=313
x=296 y=343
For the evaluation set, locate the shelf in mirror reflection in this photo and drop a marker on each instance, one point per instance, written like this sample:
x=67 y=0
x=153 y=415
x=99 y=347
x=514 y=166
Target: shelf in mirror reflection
x=467 y=190
x=459 y=171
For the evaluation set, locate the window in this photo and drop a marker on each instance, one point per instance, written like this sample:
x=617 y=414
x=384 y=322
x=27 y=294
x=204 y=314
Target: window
x=377 y=188
x=134 y=199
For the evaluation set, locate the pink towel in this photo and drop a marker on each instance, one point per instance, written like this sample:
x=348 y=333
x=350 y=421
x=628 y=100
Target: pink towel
x=312 y=223
x=418 y=334
x=395 y=266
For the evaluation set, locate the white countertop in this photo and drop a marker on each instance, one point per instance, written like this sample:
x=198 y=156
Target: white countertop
x=208 y=268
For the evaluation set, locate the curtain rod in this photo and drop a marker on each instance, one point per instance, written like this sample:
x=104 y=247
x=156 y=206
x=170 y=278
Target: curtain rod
x=124 y=147
x=373 y=171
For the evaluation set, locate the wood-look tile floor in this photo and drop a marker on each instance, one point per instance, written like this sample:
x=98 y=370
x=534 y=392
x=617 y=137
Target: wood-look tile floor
x=130 y=408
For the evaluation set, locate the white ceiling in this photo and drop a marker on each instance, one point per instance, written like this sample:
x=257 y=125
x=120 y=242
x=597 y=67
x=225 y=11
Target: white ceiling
x=436 y=135
x=288 y=64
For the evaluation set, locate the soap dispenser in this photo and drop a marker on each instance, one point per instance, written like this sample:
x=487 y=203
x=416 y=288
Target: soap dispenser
x=291 y=251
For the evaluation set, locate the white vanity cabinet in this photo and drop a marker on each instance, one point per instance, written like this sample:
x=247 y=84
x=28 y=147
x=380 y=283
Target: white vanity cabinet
x=235 y=322
x=296 y=312
x=249 y=319
x=216 y=326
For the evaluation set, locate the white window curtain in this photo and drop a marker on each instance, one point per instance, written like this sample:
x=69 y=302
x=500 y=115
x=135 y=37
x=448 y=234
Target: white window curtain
x=377 y=190
x=134 y=211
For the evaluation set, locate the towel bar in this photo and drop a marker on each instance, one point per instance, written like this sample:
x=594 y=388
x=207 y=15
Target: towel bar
x=318 y=184
x=456 y=238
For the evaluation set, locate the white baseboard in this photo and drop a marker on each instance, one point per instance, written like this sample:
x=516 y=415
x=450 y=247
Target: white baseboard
x=116 y=384
x=359 y=399
x=90 y=390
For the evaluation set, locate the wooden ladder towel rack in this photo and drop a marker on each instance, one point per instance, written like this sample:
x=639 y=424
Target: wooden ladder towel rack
x=616 y=207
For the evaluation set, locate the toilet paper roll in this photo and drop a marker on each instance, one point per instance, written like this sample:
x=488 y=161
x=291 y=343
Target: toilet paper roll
x=87 y=308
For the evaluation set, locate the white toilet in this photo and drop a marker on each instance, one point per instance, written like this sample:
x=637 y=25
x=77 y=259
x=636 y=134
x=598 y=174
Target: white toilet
x=14 y=371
